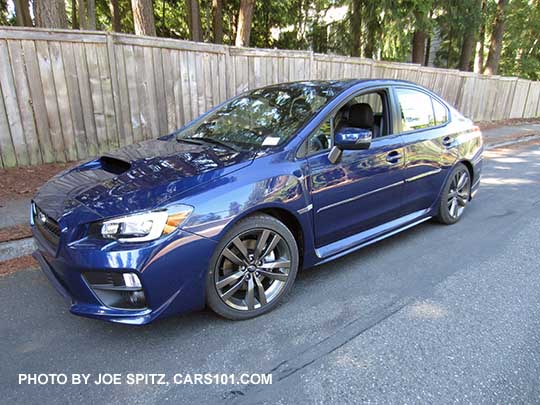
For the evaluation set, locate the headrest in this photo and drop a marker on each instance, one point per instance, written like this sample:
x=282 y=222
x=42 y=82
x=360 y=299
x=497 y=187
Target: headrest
x=361 y=116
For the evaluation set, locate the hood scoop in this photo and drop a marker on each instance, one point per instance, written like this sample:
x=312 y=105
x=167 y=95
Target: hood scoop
x=114 y=165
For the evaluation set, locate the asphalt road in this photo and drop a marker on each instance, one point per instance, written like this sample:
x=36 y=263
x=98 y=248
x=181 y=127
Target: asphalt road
x=436 y=314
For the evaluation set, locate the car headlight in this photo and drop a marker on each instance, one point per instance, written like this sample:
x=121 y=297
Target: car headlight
x=146 y=226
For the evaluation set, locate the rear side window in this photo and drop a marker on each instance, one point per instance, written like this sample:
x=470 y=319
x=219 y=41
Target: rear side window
x=416 y=109
x=441 y=113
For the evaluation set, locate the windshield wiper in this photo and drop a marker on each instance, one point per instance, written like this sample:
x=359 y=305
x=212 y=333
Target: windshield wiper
x=216 y=142
x=188 y=140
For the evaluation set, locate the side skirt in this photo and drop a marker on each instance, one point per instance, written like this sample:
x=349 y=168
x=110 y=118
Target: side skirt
x=350 y=244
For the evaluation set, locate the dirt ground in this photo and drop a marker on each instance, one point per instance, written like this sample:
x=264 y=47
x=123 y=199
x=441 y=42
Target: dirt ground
x=514 y=121
x=22 y=182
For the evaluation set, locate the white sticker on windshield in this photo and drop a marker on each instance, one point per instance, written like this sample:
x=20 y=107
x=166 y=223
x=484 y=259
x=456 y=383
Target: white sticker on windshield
x=271 y=141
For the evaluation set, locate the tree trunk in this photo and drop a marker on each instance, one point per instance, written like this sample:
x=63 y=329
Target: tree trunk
x=74 y=13
x=194 y=20
x=217 y=20
x=22 y=13
x=245 y=16
x=474 y=12
x=419 y=47
x=479 y=57
x=356 y=27
x=87 y=14
x=143 y=17
x=495 y=46
x=466 y=52
x=116 y=16
x=50 y=14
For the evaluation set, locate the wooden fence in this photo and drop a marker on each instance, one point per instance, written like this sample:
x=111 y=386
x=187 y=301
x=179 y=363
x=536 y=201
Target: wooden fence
x=69 y=95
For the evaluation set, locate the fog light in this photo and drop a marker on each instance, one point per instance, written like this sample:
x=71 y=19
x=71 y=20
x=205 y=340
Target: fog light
x=137 y=298
x=132 y=280
x=117 y=290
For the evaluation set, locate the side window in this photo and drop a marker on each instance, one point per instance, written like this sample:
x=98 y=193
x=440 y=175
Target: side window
x=441 y=113
x=416 y=109
x=321 y=138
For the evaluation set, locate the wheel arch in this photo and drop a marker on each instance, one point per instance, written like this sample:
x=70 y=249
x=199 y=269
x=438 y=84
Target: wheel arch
x=289 y=219
x=467 y=163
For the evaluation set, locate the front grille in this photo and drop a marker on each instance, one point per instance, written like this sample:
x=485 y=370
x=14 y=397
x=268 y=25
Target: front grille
x=46 y=226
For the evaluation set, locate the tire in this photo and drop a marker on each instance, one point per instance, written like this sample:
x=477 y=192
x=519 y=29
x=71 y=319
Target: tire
x=455 y=195
x=258 y=259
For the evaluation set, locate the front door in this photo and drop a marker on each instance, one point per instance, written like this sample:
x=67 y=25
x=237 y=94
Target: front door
x=360 y=192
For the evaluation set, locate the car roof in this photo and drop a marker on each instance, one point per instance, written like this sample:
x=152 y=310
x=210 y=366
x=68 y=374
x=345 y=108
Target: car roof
x=342 y=84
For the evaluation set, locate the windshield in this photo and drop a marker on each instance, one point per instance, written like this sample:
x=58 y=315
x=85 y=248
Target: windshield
x=264 y=117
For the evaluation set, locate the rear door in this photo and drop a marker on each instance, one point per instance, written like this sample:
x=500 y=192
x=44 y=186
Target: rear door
x=426 y=145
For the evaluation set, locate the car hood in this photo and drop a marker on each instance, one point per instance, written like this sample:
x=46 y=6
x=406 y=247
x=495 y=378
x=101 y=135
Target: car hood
x=137 y=177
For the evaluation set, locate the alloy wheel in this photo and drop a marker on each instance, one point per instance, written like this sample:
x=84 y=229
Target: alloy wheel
x=253 y=269
x=458 y=194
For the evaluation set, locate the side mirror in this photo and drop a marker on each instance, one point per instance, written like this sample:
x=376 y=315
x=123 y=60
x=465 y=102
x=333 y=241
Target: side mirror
x=349 y=138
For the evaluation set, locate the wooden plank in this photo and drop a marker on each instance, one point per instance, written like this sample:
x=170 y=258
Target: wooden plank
x=7 y=152
x=178 y=101
x=251 y=73
x=74 y=96
x=35 y=34
x=38 y=102
x=133 y=83
x=193 y=91
x=222 y=78
x=49 y=92
x=161 y=99
x=113 y=137
x=215 y=98
x=142 y=91
x=12 y=107
x=185 y=84
x=115 y=82
x=150 y=92
x=169 y=68
x=167 y=43
x=87 y=105
x=122 y=102
x=25 y=102
x=97 y=97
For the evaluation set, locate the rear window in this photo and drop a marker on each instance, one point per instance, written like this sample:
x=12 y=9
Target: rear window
x=416 y=109
x=441 y=113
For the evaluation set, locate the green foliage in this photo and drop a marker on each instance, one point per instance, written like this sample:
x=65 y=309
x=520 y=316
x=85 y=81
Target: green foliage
x=521 y=43
x=386 y=31
x=5 y=18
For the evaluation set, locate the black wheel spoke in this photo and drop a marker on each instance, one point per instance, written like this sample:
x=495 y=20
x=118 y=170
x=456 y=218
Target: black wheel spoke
x=280 y=264
x=241 y=248
x=272 y=245
x=261 y=243
x=229 y=280
x=274 y=275
x=232 y=290
x=232 y=257
x=250 y=294
x=261 y=295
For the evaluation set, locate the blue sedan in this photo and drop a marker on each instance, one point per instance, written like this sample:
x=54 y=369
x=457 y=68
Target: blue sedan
x=226 y=210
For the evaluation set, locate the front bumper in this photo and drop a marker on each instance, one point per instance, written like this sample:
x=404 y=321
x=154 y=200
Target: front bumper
x=172 y=272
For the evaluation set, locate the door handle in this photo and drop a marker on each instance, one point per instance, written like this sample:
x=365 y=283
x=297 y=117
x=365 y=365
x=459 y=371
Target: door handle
x=447 y=141
x=393 y=157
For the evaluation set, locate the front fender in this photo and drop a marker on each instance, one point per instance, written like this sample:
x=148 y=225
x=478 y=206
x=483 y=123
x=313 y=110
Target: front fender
x=271 y=182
